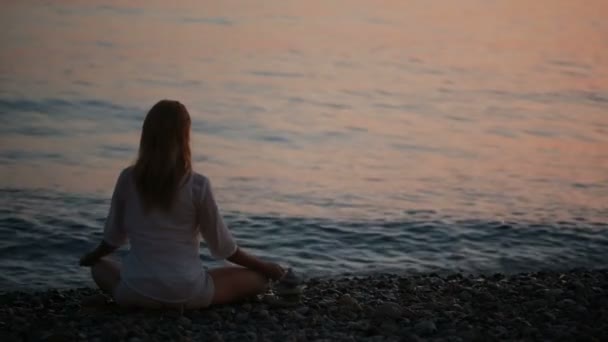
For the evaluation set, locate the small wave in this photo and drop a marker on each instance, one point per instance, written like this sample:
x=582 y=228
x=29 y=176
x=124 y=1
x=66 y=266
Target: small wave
x=219 y=21
x=50 y=230
x=584 y=97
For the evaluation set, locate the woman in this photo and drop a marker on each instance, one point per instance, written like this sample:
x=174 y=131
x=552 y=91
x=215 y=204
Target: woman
x=162 y=208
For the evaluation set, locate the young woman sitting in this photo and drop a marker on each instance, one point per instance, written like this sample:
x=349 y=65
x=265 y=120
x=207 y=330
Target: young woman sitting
x=162 y=208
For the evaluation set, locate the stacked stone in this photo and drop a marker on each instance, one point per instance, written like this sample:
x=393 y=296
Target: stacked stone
x=289 y=289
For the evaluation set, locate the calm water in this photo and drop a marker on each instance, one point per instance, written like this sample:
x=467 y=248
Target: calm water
x=342 y=136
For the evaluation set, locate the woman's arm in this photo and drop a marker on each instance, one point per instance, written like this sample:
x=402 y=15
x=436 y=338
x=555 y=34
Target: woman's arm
x=92 y=257
x=220 y=241
x=269 y=269
x=114 y=232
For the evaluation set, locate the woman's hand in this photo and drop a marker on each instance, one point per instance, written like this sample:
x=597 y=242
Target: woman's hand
x=101 y=251
x=273 y=270
x=269 y=269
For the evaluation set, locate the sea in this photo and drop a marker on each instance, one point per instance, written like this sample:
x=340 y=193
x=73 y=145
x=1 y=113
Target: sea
x=342 y=137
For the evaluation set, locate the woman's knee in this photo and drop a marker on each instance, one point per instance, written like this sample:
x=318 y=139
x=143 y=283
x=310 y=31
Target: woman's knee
x=106 y=274
x=96 y=269
x=105 y=267
x=260 y=281
x=234 y=283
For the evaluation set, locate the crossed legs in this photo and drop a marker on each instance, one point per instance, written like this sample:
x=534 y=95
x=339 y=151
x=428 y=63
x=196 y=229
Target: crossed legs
x=231 y=284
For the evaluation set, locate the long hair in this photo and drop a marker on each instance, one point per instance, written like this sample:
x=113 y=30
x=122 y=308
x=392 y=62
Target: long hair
x=164 y=154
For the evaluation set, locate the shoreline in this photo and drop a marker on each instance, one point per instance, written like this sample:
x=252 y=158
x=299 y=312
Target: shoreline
x=548 y=305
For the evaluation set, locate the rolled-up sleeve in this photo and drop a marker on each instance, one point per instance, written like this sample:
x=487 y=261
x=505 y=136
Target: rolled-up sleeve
x=114 y=232
x=218 y=237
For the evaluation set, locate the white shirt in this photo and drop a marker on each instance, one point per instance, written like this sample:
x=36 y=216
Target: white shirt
x=163 y=262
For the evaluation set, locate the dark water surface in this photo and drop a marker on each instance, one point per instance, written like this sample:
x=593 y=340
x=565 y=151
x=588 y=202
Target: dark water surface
x=342 y=136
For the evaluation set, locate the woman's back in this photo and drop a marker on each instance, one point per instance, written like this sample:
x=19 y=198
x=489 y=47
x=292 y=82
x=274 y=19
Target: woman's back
x=163 y=261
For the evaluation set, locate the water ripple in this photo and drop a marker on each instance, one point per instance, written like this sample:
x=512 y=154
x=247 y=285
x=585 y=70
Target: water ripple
x=46 y=230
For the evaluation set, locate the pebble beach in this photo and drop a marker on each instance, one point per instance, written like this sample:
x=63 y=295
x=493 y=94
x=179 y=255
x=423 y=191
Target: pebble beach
x=548 y=306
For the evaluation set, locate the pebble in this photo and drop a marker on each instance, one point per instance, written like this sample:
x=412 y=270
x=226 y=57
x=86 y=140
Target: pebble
x=184 y=321
x=213 y=316
x=553 y=292
x=567 y=302
x=425 y=328
x=303 y=310
x=580 y=309
x=389 y=327
x=500 y=330
x=410 y=337
x=241 y=317
x=465 y=296
x=94 y=301
x=540 y=306
x=549 y=316
x=388 y=310
x=216 y=337
x=405 y=284
x=264 y=314
x=349 y=303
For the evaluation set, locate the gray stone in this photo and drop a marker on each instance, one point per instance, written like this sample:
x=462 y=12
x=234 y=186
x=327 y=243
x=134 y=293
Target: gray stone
x=580 y=310
x=578 y=285
x=349 y=303
x=94 y=301
x=357 y=325
x=184 y=321
x=213 y=316
x=294 y=315
x=389 y=327
x=410 y=337
x=485 y=296
x=251 y=336
x=436 y=281
x=59 y=336
x=566 y=302
x=549 y=316
x=282 y=290
x=216 y=337
x=465 y=296
x=406 y=285
x=536 y=304
x=553 y=292
x=425 y=328
x=303 y=310
x=501 y=331
x=264 y=314
x=388 y=310
x=241 y=317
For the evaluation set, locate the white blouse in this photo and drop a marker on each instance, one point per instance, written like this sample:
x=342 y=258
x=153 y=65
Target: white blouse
x=163 y=262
